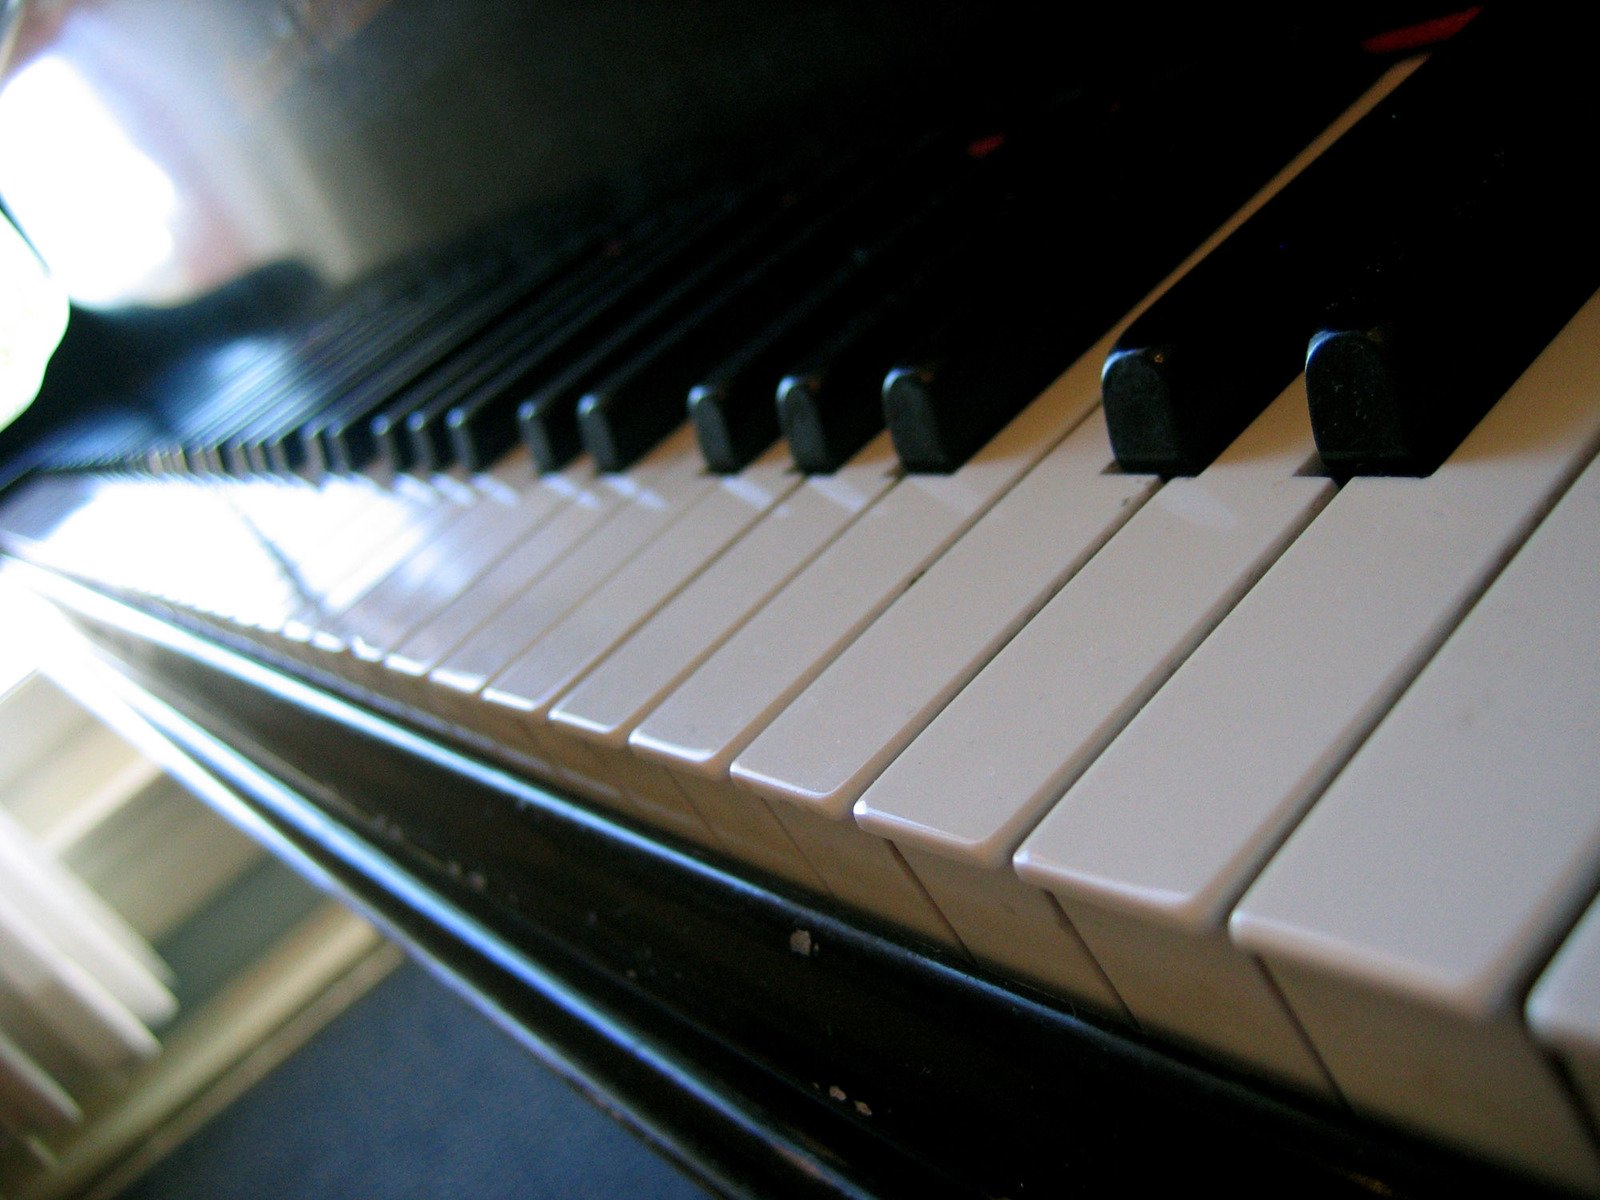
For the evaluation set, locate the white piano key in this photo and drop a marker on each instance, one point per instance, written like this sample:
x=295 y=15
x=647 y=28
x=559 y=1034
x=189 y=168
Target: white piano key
x=1563 y=1009
x=481 y=494
x=423 y=648
x=699 y=730
x=405 y=516
x=449 y=565
x=556 y=659
x=596 y=501
x=1058 y=691
x=1435 y=873
x=605 y=707
x=1221 y=762
x=490 y=649
x=610 y=701
x=520 y=696
x=370 y=564
x=839 y=733
x=822 y=751
x=290 y=515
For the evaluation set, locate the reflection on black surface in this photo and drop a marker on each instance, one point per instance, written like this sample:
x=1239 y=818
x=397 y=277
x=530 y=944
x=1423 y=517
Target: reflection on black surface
x=157 y=151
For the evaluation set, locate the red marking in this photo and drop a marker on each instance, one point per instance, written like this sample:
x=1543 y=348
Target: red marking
x=985 y=146
x=1424 y=33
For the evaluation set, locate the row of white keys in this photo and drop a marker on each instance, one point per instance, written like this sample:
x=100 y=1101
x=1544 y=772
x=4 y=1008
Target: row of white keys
x=1149 y=851
x=180 y=544
x=1407 y=912
x=961 y=797
x=609 y=703
x=502 y=501
x=412 y=512
x=449 y=565
x=523 y=692
x=596 y=502
x=366 y=515
x=298 y=518
x=817 y=757
x=713 y=715
x=677 y=481
x=553 y=662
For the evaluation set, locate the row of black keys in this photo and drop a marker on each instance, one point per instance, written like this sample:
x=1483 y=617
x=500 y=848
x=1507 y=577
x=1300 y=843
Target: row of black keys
x=938 y=288
x=971 y=274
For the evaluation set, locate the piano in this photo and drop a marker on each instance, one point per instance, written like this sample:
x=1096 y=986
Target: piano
x=967 y=807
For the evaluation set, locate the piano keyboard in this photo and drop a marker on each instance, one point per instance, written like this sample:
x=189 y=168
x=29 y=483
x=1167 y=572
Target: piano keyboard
x=1291 y=770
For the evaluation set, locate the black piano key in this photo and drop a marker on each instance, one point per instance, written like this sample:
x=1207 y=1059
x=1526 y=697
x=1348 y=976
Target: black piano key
x=732 y=409
x=478 y=396
x=735 y=409
x=1168 y=170
x=625 y=381
x=1195 y=368
x=734 y=420
x=337 y=435
x=1189 y=374
x=364 y=417
x=1426 y=332
x=843 y=233
x=280 y=407
x=940 y=408
x=603 y=320
x=1397 y=383
x=830 y=402
x=824 y=419
x=549 y=420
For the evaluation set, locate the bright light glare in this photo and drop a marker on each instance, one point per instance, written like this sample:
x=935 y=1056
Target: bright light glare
x=33 y=316
x=96 y=207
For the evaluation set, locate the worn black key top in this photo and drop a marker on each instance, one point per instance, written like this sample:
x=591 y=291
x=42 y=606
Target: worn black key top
x=830 y=403
x=628 y=412
x=735 y=410
x=1423 y=335
x=1196 y=367
x=1404 y=372
x=1169 y=169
